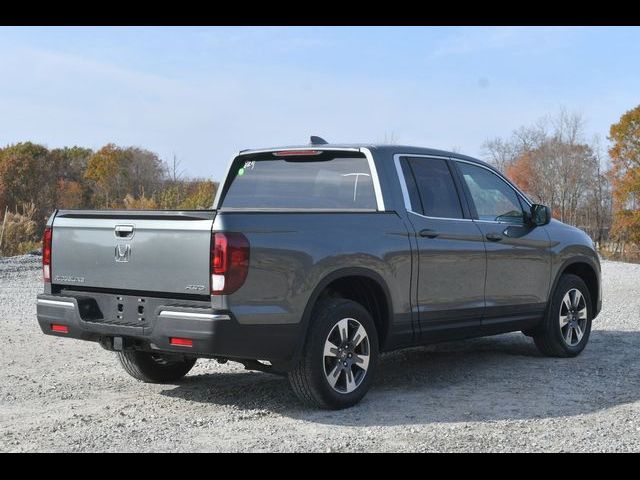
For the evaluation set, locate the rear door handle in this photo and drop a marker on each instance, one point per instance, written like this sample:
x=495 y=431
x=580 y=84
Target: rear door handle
x=427 y=232
x=493 y=237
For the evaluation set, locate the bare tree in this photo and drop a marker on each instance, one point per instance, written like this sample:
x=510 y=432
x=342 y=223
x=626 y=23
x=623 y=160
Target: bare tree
x=529 y=138
x=597 y=214
x=554 y=163
x=390 y=138
x=499 y=153
x=568 y=127
x=503 y=152
x=146 y=171
x=176 y=170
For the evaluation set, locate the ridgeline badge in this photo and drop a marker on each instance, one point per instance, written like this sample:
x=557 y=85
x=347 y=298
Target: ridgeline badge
x=69 y=279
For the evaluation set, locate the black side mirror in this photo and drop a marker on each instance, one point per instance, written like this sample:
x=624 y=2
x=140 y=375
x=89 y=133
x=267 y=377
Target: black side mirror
x=540 y=214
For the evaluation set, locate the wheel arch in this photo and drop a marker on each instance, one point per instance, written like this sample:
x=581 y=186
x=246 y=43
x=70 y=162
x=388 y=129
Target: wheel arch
x=585 y=268
x=383 y=307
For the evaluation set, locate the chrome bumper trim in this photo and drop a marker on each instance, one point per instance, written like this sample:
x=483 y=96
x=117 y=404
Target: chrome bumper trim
x=56 y=303
x=201 y=316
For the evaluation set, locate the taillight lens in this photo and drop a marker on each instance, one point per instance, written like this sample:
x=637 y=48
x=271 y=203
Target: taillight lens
x=229 y=262
x=46 y=254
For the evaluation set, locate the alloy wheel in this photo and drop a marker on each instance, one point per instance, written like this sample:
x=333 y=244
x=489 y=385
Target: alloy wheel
x=346 y=355
x=573 y=317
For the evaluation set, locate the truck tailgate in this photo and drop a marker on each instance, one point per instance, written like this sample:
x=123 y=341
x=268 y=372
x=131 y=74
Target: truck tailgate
x=143 y=251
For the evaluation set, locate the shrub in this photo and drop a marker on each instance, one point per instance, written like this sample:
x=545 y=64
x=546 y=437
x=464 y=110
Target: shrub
x=20 y=232
x=142 y=203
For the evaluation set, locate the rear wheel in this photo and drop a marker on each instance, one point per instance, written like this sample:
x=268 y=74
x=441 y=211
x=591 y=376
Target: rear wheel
x=567 y=325
x=340 y=356
x=154 y=367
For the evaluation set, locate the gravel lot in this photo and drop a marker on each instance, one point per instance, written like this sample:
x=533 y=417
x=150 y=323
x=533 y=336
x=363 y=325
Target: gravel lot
x=489 y=394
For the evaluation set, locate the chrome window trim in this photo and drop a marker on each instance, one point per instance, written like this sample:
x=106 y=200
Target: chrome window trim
x=405 y=191
x=441 y=218
x=374 y=176
x=403 y=183
x=367 y=154
x=498 y=222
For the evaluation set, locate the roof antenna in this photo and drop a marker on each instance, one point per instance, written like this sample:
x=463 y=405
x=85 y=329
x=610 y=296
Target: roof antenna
x=317 y=140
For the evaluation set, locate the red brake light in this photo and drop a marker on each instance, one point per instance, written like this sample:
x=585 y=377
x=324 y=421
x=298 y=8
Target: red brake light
x=292 y=153
x=229 y=262
x=46 y=254
x=181 y=342
x=219 y=256
x=59 y=328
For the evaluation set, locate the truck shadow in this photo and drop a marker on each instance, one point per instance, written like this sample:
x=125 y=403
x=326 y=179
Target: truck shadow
x=485 y=379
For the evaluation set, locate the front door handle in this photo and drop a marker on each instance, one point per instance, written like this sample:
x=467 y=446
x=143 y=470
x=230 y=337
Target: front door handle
x=427 y=232
x=494 y=237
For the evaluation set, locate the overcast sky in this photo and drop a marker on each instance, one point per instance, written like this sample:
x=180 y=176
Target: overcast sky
x=205 y=93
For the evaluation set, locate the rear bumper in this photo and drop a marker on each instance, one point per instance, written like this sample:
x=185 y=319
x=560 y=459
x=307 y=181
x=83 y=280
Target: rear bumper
x=213 y=333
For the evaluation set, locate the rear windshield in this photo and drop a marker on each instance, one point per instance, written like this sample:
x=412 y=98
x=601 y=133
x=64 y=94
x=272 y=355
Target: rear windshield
x=326 y=181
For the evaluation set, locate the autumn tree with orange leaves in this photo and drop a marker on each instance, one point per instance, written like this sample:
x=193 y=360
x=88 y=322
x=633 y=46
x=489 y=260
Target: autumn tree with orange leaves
x=35 y=180
x=625 y=175
x=555 y=165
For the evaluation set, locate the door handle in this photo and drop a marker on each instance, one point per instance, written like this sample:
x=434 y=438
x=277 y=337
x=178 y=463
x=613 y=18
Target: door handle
x=493 y=237
x=124 y=231
x=427 y=232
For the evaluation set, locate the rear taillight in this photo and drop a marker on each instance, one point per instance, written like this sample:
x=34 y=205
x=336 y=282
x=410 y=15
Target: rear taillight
x=46 y=254
x=229 y=262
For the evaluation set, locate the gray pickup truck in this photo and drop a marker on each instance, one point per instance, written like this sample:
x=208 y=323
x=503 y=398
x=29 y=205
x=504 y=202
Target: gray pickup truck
x=313 y=260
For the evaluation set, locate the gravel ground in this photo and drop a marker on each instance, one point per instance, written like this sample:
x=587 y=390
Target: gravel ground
x=488 y=394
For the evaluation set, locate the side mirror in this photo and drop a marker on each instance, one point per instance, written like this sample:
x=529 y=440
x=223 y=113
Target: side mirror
x=540 y=214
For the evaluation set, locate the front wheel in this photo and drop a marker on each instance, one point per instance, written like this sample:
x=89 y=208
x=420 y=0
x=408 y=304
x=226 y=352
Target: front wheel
x=154 y=367
x=567 y=325
x=340 y=356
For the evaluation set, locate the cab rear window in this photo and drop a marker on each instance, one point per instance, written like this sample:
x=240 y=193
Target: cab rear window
x=326 y=181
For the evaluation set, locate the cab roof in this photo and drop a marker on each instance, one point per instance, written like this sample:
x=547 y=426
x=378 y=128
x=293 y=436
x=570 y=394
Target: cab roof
x=385 y=149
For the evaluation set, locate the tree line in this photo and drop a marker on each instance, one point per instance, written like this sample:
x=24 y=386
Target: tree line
x=35 y=180
x=585 y=185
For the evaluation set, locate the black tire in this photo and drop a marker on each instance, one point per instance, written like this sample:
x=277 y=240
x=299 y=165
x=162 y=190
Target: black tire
x=153 y=367
x=549 y=337
x=308 y=379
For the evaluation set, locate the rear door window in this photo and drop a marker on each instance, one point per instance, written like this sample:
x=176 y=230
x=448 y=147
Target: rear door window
x=327 y=181
x=431 y=188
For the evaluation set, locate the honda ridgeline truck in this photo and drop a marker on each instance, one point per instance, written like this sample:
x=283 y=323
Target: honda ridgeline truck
x=315 y=259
